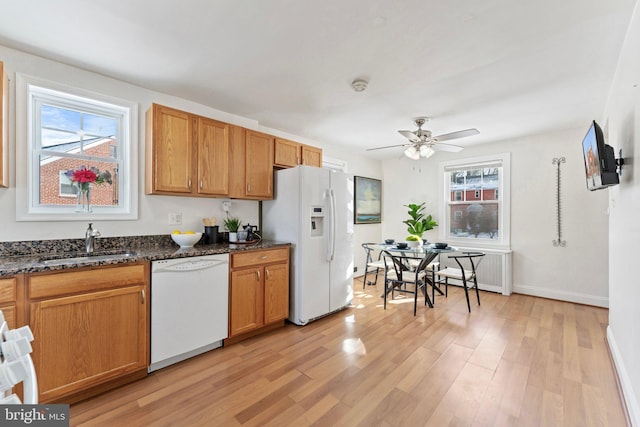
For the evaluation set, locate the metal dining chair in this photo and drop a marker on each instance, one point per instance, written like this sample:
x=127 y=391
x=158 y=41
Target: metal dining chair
x=398 y=274
x=471 y=260
x=371 y=266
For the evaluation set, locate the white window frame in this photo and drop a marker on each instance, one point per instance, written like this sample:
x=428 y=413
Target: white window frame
x=27 y=208
x=504 y=214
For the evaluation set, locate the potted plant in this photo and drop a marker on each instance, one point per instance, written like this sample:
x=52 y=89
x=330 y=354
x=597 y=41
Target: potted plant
x=232 y=224
x=418 y=223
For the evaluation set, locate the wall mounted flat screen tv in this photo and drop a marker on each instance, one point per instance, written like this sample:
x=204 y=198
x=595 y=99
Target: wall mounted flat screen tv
x=599 y=160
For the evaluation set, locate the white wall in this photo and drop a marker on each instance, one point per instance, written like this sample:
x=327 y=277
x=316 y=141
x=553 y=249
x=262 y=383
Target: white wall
x=623 y=118
x=153 y=210
x=577 y=272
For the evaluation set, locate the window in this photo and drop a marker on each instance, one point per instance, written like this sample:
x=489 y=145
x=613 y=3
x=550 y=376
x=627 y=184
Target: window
x=67 y=189
x=472 y=211
x=61 y=129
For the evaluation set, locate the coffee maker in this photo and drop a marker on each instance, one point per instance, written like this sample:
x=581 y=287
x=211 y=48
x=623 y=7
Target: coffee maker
x=252 y=232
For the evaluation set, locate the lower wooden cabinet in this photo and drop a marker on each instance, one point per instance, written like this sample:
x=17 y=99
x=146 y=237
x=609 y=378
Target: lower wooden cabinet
x=9 y=289
x=258 y=291
x=91 y=329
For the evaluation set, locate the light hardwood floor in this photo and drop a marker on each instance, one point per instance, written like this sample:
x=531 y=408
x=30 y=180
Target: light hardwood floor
x=515 y=360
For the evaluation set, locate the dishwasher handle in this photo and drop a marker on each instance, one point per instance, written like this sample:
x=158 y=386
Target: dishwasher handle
x=191 y=265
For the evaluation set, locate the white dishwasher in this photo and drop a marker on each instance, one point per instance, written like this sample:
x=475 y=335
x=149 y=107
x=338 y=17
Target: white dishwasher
x=189 y=307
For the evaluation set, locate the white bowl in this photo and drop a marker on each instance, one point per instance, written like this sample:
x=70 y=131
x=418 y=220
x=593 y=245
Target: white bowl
x=186 y=240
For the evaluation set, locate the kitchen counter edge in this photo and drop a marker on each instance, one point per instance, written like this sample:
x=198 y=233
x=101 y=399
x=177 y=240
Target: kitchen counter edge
x=10 y=266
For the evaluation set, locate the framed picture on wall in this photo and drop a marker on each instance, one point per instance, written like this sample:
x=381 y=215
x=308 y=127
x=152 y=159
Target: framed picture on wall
x=368 y=200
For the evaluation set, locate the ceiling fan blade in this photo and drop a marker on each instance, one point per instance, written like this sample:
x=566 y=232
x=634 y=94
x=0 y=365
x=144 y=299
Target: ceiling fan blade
x=410 y=135
x=387 y=146
x=447 y=147
x=458 y=134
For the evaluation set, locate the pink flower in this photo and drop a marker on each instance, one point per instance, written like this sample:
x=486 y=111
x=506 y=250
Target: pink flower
x=89 y=176
x=84 y=175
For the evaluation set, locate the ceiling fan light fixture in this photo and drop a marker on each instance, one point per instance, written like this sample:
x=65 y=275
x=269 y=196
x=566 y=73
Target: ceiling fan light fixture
x=426 y=151
x=412 y=153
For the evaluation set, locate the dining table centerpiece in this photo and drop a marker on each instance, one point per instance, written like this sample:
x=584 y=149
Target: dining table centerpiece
x=83 y=178
x=418 y=223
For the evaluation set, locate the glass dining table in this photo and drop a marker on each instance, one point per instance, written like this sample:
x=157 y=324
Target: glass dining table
x=412 y=256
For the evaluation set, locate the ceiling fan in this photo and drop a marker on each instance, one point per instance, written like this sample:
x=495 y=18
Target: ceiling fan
x=423 y=144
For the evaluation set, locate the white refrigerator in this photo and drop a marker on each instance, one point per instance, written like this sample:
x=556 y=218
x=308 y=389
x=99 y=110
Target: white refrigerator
x=313 y=209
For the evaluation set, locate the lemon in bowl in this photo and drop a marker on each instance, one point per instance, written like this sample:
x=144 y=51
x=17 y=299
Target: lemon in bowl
x=186 y=239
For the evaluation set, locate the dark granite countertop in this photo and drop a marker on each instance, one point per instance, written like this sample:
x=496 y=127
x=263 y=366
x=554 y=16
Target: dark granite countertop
x=11 y=264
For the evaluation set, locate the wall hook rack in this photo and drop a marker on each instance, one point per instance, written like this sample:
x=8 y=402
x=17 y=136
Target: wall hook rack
x=619 y=162
x=558 y=161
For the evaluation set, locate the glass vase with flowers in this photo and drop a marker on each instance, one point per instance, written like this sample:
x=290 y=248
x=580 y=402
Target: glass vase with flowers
x=83 y=178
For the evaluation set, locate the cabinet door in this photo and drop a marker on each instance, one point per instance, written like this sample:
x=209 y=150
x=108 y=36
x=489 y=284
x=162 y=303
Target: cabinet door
x=8 y=298
x=171 y=148
x=246 y=301
x=311 y=156
x=287 y=153
x=213 y=157
x=84 y=340
x=276 y=292
x=259 y=165
x=237 y=154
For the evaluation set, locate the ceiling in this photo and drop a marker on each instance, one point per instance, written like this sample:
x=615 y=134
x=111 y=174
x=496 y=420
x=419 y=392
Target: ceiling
x=508 y=68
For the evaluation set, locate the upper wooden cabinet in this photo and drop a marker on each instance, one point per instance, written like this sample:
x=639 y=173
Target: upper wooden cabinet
x=190 y=155
x=311 y=156
x=213 y=157
x=290 y=154
x=186 y=154
x=251 y=162
x=4 y=127
x=287 y=153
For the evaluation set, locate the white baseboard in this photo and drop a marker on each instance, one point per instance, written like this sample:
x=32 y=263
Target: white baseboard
x=628 y=395
x=561 y=295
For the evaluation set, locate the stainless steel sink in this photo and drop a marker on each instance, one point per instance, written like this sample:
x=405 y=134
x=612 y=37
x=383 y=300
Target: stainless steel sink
x=88 y=258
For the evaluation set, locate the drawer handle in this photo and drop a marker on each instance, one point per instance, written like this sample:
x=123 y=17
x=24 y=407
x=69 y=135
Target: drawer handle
x=258 y=274
x=143 y=298
x=264 y=257
x=268 y=273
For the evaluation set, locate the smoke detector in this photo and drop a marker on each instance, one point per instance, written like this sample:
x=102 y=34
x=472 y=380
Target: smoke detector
x=359 y=85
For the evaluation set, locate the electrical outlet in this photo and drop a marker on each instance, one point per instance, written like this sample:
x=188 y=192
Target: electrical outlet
x=226 y=205
x=175 y=218
x=355 y=269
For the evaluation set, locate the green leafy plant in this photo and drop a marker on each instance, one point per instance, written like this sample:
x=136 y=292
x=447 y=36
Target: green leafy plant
x=232 y=224
x=418 y=222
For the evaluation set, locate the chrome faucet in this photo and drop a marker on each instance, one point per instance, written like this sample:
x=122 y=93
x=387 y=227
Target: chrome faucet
x=90 y=236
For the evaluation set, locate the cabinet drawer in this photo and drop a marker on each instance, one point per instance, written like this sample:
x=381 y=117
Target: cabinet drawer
x=85 y=280
x=8 y=290
x=267 y=256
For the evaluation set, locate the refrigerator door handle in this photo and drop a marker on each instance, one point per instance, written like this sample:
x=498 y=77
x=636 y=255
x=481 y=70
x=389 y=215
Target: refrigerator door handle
x=332 y=225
